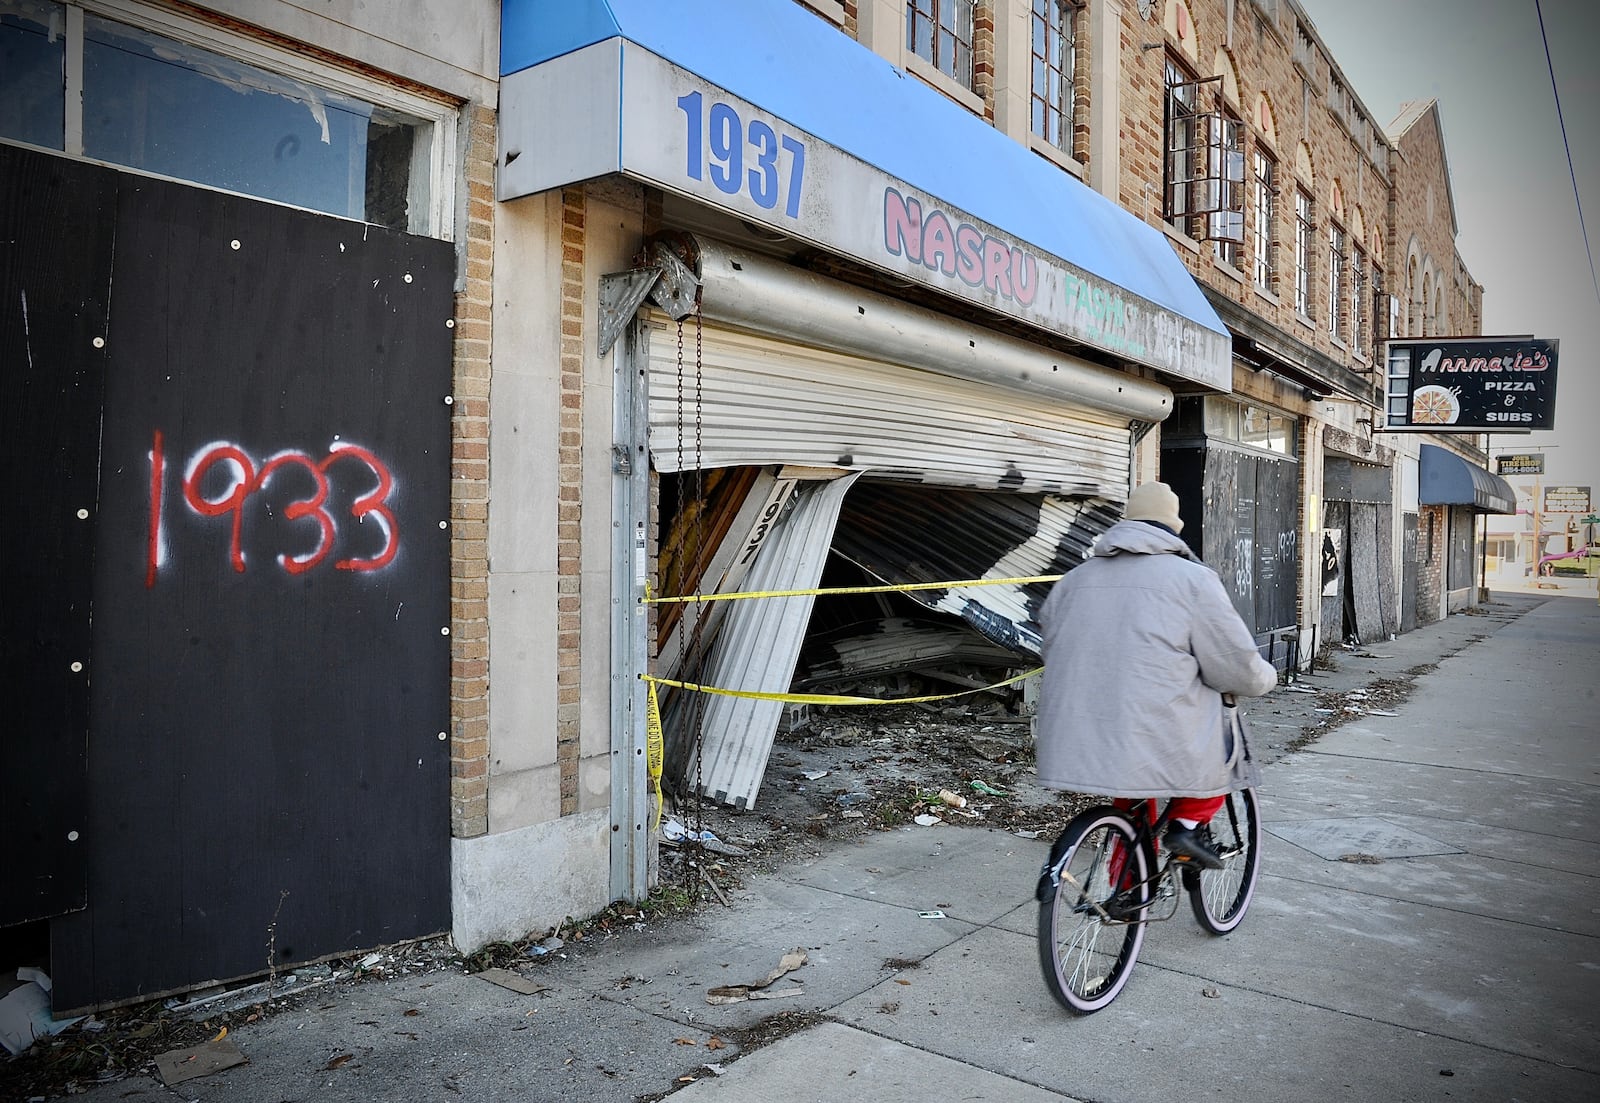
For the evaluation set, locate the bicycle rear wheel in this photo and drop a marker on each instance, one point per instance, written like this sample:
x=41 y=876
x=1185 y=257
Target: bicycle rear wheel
x=1085 y=955
x=1219 y=897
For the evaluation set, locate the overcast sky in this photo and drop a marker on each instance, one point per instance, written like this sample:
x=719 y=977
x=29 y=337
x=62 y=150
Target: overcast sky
x=1518 y=228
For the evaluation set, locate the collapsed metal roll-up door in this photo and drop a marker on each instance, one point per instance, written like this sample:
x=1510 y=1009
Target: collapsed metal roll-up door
x=785 y=368
x=760 y=400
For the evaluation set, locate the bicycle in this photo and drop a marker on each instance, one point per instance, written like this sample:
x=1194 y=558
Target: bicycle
x=1101 y=886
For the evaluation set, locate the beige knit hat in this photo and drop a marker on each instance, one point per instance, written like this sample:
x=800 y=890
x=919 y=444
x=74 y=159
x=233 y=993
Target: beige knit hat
x=1154 y=502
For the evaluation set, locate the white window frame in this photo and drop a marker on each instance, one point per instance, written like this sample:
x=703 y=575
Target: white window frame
x=1337 y=243
x=1305 y=235
x=1064 y=30
x=935 y=19
x=1266 y=212
x=1358 y=299
x=443 y=117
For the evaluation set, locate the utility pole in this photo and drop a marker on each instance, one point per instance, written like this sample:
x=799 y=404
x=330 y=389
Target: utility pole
x=1483 y=548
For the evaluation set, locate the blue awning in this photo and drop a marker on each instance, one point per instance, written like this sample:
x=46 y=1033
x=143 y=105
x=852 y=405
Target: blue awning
x=1445 y=479
x=884 y=158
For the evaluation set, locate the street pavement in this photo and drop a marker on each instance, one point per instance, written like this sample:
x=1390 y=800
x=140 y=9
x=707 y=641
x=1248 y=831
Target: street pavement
x=1427 y=927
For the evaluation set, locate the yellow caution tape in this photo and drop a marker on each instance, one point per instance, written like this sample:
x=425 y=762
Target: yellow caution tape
x=654 y=749
x=820 y=698
x=903 y=588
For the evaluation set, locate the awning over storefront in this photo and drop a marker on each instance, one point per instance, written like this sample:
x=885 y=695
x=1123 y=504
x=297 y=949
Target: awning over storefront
x=764 y=110
x=1445 y=479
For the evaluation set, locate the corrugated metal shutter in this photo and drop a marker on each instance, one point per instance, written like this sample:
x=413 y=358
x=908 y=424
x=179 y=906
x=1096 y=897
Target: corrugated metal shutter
x=759 y=645
x=764 y=401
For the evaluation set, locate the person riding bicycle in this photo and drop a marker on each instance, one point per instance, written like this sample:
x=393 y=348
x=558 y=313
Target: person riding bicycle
x=1140 y=645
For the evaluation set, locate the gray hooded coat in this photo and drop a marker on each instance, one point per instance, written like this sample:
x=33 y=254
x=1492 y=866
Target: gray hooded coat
x=1139 y=644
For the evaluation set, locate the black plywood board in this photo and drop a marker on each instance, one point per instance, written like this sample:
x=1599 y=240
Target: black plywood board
x=56 y=225
x=268 y=781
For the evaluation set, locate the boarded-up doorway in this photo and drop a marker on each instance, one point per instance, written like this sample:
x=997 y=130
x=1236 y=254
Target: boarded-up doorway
x=268 y=668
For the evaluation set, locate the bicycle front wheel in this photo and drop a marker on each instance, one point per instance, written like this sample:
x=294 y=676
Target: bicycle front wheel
x=1219 y=897
x=1086 y=953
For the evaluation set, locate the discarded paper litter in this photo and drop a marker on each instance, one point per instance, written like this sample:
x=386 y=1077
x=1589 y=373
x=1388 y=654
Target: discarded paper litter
x=25 y=1012
x=515 y=982
x=738 y=993
x=186 y=1064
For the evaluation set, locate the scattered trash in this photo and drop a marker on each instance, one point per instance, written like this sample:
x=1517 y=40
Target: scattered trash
x=932 y=915
x=853 y=814
x=737 y=993
x=548 y=946
x=1026 y=834
x=674 y=833
x=814 y=775
x=926 y=820
x=25 y=1012
x=1301 y=689
x=1381 y=712
x=179 y=1065
x=988 y=790
x=1210 y=993
x=954 y=800
x=515 y=982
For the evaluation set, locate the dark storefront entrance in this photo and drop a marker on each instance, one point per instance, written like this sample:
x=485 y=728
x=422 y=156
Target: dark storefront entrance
x=1236 y=471
x=1358 y=600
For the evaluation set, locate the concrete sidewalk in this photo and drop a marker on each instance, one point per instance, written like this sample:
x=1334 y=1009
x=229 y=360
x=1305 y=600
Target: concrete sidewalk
x=1454 y=952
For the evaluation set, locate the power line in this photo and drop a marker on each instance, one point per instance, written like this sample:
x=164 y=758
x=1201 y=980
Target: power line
x=1573 y=172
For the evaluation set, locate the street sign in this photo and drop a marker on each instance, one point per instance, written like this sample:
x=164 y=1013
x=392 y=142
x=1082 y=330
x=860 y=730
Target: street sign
x=1471 y=384
x=1521 y=464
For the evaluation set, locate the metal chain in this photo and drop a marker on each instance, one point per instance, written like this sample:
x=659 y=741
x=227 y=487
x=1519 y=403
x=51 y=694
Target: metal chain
x=683 y=620
x=698 y=542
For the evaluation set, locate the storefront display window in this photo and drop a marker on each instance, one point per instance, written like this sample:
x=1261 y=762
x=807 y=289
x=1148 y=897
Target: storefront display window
x=152 y=102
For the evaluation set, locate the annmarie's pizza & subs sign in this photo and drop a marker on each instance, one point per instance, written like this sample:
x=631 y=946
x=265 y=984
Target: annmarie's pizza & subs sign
x=1472 y=384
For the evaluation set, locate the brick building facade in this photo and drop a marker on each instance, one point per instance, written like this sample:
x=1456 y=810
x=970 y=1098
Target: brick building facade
x=1223 y=128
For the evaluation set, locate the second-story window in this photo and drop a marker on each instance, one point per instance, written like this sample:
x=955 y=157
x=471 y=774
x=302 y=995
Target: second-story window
x=1265 y=202
x=1303 y=231
x=1224 y=187
x=1358 y=298
x=1180 y=125
x=940 y=33
x=1051 y=97
x=1336 y=285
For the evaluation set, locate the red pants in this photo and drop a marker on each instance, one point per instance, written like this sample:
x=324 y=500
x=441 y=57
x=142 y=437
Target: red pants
x=1199 y=809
